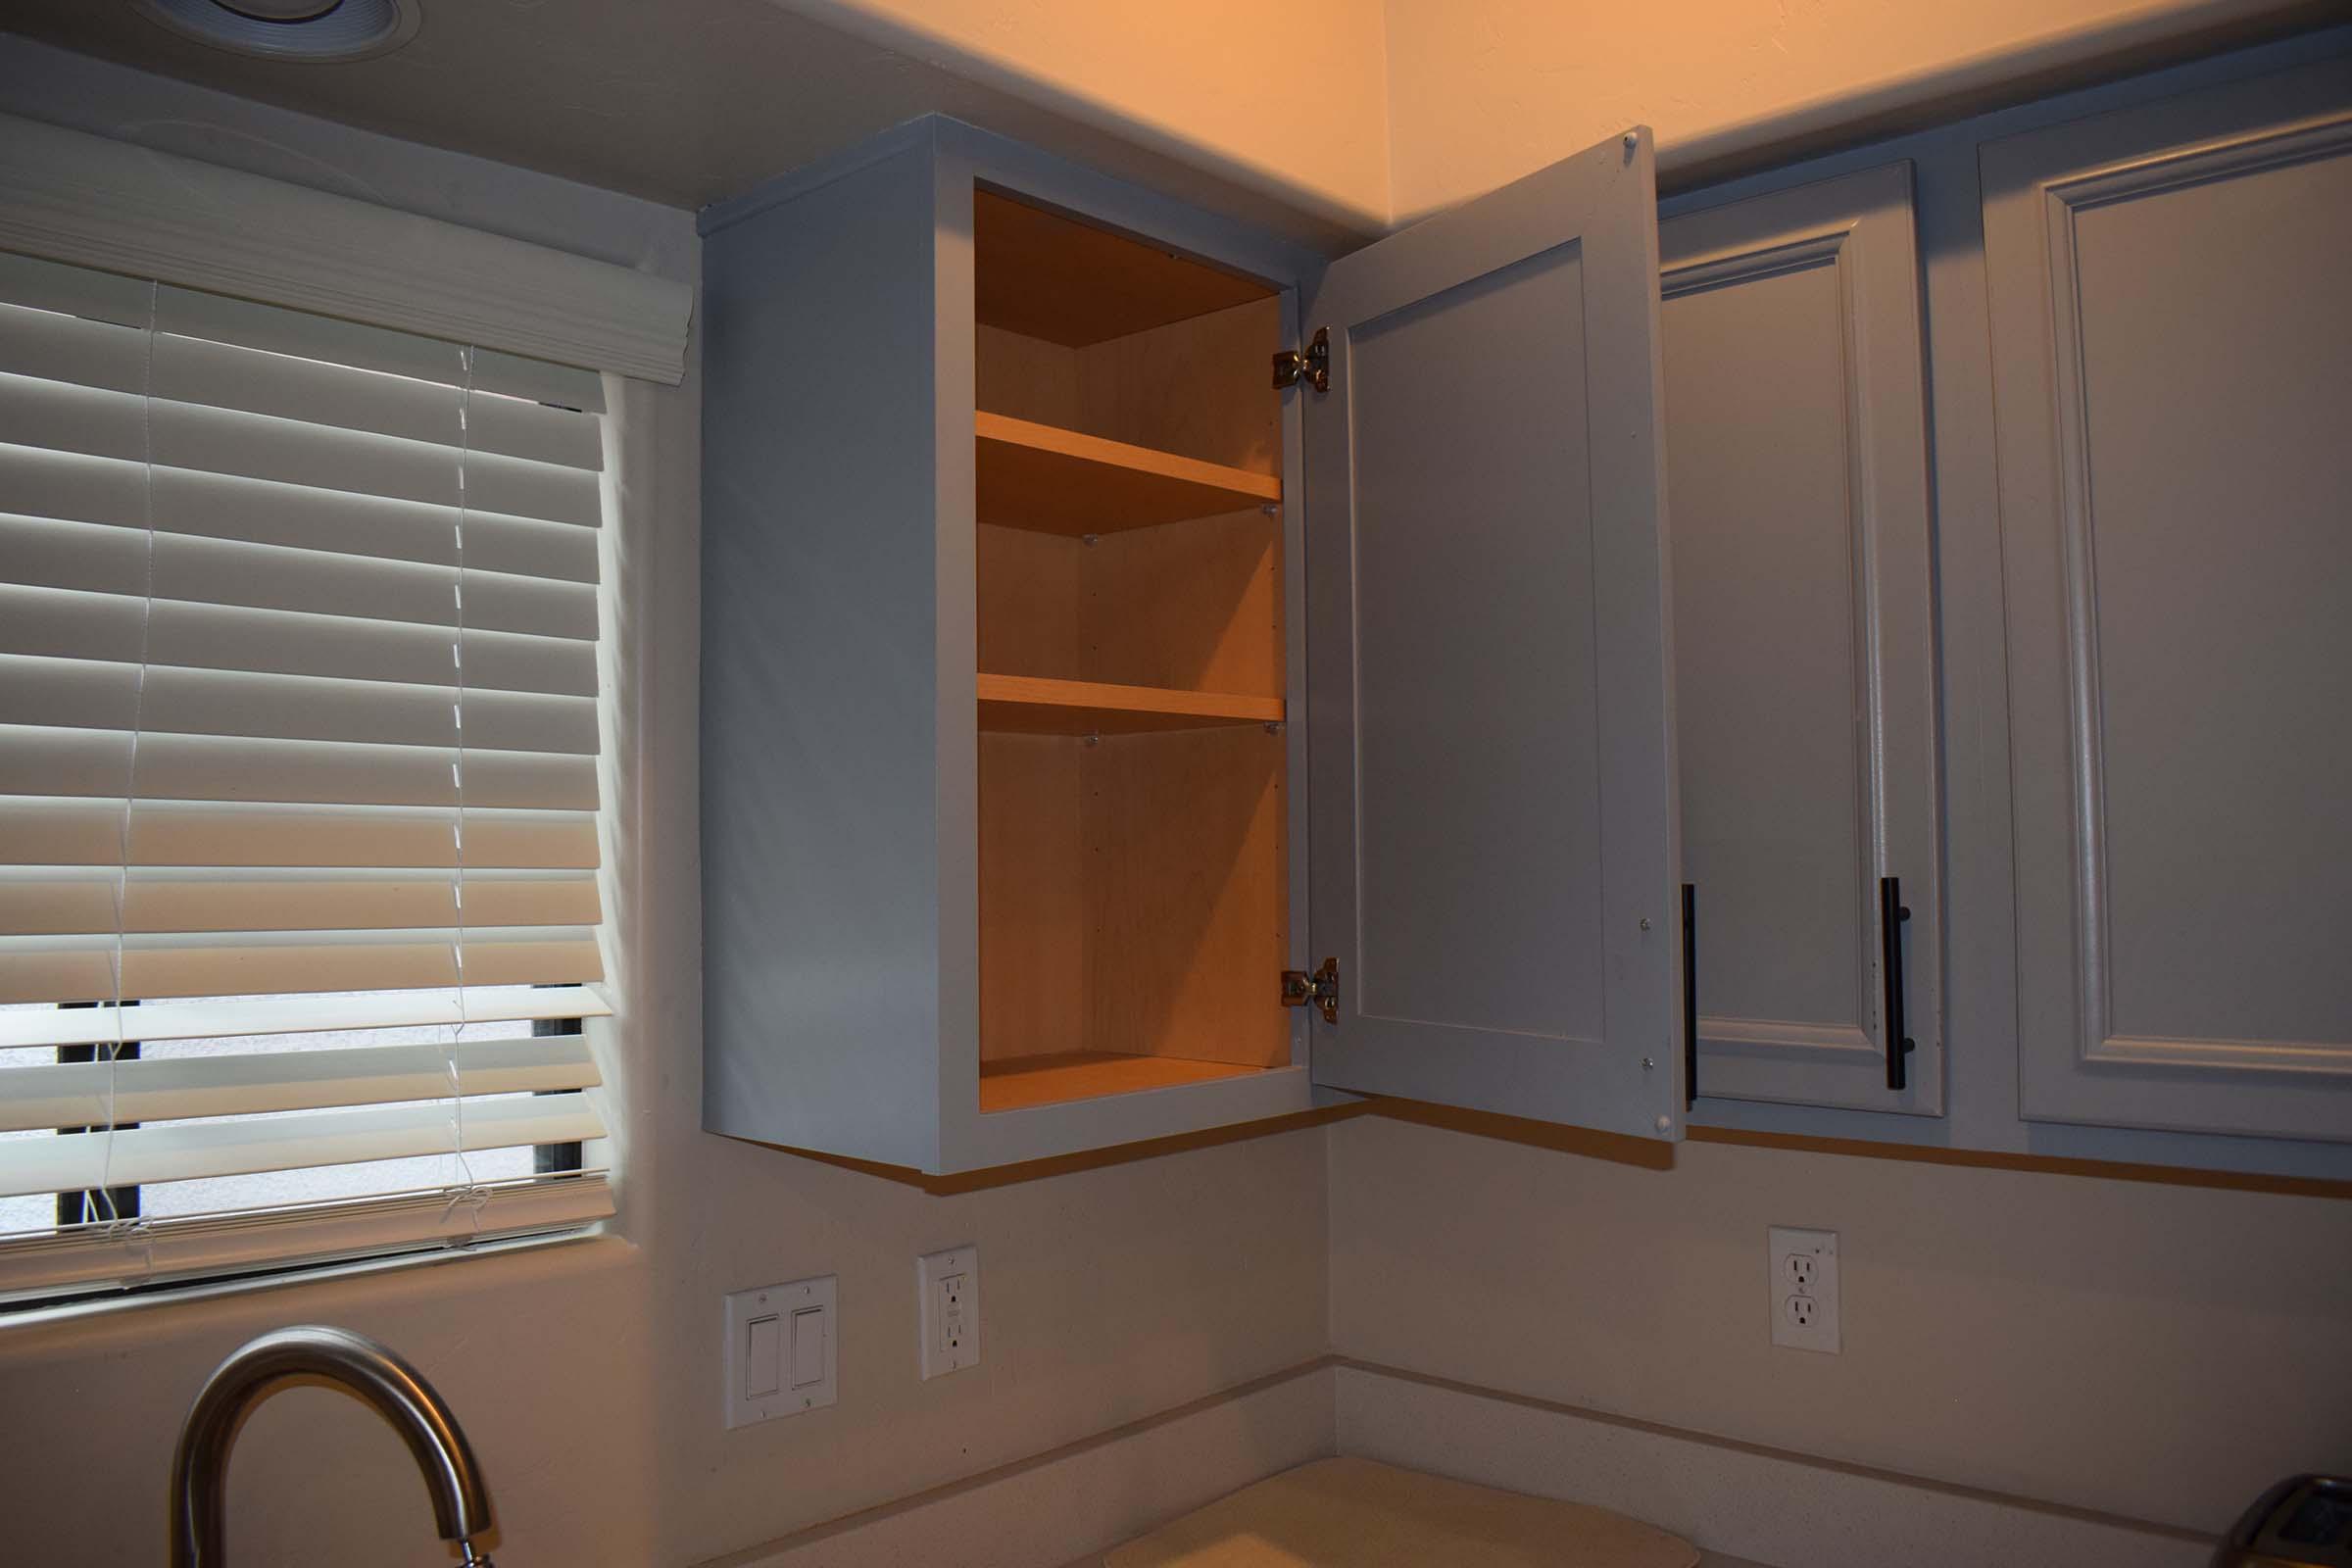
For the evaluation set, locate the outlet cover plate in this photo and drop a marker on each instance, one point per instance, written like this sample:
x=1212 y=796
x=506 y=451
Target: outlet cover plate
x=1805 y=1288
x=947 y=1287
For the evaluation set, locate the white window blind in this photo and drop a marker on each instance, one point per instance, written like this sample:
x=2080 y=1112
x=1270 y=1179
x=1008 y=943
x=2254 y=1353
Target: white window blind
x=299 y=785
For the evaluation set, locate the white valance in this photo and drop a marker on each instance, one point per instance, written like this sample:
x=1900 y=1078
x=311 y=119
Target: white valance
x=95 y=201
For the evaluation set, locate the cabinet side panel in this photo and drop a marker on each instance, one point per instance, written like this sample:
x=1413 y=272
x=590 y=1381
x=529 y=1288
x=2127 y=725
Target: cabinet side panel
x=821 y=707
x=1032 y=908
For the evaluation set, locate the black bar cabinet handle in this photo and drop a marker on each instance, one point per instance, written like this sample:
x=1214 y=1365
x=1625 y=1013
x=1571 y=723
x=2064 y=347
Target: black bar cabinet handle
x=1690 y=994
x=1891 y=915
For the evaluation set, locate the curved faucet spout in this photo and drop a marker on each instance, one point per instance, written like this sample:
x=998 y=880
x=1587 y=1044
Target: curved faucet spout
x=350 y=1361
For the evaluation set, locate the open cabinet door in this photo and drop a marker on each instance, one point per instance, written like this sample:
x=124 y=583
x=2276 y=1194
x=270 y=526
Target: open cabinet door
x=1492 y=855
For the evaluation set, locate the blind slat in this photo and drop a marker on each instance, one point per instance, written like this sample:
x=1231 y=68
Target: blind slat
x=152 y=906
x=58 y=971
x=99 y=421
x=59 y=832
x=90 y=694
x=95 y=1094
x=190 y=1150
x=211 y=1244
x=332 y=1012
x=116 y=492
x=90 y=559
x=59 y=623
x=206 y=767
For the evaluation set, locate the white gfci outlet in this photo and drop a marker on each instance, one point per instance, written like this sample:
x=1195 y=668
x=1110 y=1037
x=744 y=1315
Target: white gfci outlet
x=1803 y=1282
x=948 y=1286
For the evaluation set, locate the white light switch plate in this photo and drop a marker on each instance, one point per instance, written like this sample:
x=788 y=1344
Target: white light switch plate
x=781 y=1350
x=1805 y=1288
x=947 y=1287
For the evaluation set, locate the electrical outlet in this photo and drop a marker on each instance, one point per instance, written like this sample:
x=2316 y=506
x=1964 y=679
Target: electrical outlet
x=1804 y=1280
x=948 y=1287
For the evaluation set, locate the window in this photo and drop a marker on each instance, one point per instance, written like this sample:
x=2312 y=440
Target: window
x=300 y=740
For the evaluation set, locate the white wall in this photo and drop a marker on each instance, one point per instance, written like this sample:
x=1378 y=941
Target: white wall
x=587 y=1375
x=1290 y=97
x=2163 y=1353
x=1483 y=91
x=1374 y=113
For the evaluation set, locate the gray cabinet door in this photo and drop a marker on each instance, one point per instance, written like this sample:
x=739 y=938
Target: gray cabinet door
x=1804 y=640
x=1491 y=779
x=2172 y=347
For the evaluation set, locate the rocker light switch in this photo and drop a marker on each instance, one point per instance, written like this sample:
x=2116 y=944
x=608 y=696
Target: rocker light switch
x=781 y=1350
x=810 y=1361
x=762 y=1358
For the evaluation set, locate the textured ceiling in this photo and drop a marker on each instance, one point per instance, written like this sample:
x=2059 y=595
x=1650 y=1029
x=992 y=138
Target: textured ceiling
x=678 y=101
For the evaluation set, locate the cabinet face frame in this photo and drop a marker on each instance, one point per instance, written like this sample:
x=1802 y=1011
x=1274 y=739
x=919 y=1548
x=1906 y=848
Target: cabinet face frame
x=1858 y=228
x=2074 y=1063
x=965 y=160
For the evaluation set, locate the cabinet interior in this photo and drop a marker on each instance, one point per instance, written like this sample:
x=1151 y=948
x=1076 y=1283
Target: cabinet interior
x=1134 y=874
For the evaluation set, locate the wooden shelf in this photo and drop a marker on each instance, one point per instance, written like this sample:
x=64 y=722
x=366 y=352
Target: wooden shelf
x=1029 y=704
x=1048 y=277
x=1052 y=480
x=1017 y=1082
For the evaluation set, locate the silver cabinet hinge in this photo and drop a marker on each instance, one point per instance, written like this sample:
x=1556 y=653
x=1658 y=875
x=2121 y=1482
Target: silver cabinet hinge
x=1322 y=988
x=1313 y=366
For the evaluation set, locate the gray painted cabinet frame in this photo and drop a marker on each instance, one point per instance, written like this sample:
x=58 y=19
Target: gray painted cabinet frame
x=2172 y=347
x=1805 y=637
x=840 y=822
x=840 y=813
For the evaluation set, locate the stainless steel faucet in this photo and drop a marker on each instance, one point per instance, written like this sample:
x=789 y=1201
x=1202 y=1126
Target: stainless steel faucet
x=350 y=1361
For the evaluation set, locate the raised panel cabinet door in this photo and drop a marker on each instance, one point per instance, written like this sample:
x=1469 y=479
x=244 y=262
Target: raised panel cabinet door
x=1805 y=667
x=1492 y=783
x=2172 y=345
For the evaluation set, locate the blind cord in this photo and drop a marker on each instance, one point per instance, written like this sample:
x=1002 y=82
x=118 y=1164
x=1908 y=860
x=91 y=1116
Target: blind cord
x=468 y=1192
x=104 y=1199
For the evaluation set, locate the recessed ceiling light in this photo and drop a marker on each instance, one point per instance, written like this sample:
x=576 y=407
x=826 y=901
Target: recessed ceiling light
x=290 y=29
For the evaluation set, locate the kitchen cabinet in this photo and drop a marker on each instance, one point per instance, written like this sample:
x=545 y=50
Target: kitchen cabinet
x=1804 y=643
x=1071 y=693
x=2171 y=338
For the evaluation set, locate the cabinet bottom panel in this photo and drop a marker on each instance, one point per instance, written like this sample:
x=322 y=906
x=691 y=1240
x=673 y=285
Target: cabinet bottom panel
x=1020 y=1082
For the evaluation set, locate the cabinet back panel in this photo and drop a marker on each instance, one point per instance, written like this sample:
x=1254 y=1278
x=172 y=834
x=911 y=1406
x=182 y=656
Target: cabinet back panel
x=1032 y=904
x=1201 y=388
x=1134 y=895
x=1187 y=894
x=1196 y=605
x=1032 y=595
x=1198 y=388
